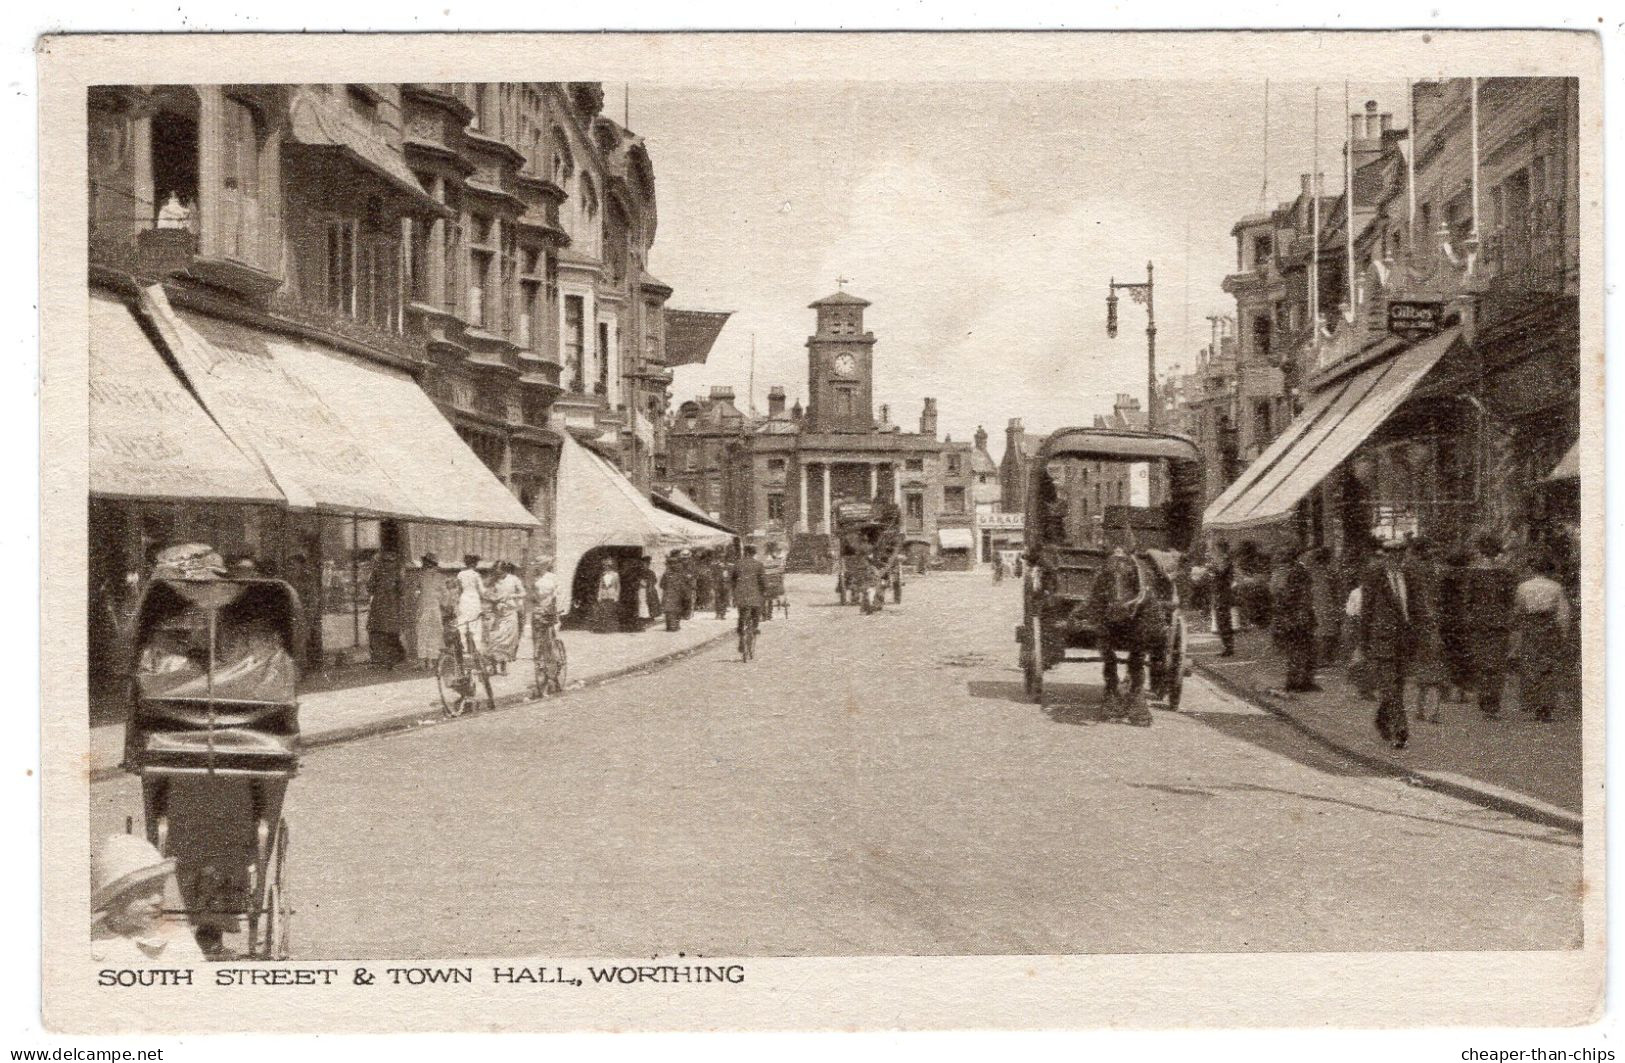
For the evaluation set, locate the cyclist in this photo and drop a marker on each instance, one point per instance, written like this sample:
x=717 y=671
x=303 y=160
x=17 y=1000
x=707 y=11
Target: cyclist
x=749 y=592
x=544 y=613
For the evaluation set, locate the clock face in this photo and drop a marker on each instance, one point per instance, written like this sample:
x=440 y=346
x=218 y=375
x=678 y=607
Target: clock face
x=845 y=364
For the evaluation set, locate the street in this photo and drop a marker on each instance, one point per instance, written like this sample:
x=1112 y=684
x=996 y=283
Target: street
x=878 y=785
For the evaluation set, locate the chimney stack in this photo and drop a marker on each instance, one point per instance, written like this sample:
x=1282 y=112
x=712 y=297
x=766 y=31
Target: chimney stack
x=775 y=401
x=885 y=414
x=928 y=419
x=981 y=438
x=721 y=392
x=1013 y=436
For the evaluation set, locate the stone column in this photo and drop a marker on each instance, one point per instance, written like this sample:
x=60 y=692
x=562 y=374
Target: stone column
x=874 y=480
x=802 y=524
x=897 y=484
x=828 y=524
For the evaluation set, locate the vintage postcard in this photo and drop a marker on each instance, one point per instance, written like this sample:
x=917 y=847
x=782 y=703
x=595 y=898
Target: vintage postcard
x=723 y=531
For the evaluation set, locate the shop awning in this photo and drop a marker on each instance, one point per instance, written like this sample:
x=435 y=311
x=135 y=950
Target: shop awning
x=1337 y=420
x=598 y=506
x=1569 y=467
x=955 y=539
x=149 y=438
x=690 y=334
x=337 y=433
x=318 y=121
x=678 y=503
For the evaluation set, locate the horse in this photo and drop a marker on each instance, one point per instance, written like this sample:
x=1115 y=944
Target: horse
x=1131 y=615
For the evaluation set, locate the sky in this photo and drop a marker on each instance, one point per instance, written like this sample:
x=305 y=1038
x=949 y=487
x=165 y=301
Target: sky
x=982 y=220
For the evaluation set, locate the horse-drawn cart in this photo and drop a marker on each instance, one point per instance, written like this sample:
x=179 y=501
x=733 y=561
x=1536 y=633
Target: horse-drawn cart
x=1102 y=579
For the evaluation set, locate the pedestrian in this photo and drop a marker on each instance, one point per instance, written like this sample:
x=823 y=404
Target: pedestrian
x=1327 y=594
x=1222 y=573
x=606 y=609
x=471 y=600
x=128 y=881
x=1292 y=620
x=1429 y=670
x=749 y=585
x=544 y=616
x=1385 y=638
x=647 y=592
x=1540 y=648
x=423 y=591
x=704 y=581
x=636 y=575
x=1452 y=629
x=671 y=591
x=998 y=569
x=720 y=573
x=1359 y=667
x=507 y=604
x=688 y=585
x=896 y=568
x=1488 y=589
x=384 y=612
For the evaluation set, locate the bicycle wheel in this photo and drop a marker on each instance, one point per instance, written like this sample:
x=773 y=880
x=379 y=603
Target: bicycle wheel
x=453 y=684
x=561 y=663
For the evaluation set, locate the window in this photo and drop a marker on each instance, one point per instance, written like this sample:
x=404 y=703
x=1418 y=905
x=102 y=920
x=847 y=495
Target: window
x=775 y=507
x=775 y=466
x=953 y=499
x=953 y=465
x=240 y=205
x=602 y=387
x=529 y=311
x=915 y=503
x=845 y=402
x=575 y=341
x=1261 y=336
x=484 y=285
x=1261 y=251
x=914 y=465
x=340 y=275
x=691 y=458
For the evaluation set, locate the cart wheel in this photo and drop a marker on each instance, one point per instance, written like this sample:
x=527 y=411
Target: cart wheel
x=1175 y=671
x=453 y=686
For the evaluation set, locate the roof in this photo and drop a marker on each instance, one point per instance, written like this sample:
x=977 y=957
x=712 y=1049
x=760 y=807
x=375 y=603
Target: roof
x=1120 y=444
x=838 y=299
x=982 y=461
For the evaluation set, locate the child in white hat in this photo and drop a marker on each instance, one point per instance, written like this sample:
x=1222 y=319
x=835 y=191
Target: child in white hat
x=127 y=901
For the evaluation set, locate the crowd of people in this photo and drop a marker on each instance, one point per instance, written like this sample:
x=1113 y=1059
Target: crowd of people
x=1415 y=629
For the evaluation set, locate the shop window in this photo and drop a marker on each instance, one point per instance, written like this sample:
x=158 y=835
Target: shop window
x=341 y=266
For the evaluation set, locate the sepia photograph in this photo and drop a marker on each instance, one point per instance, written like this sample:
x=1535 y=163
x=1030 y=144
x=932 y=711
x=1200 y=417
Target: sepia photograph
x=627 y=531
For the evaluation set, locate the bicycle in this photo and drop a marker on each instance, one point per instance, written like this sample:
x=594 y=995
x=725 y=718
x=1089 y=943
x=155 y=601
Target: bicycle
x=461 y=672
x=551 y=660
x=748 y=620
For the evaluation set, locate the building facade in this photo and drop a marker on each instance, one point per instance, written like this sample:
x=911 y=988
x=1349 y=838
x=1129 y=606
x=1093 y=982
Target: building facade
x=487 y=242
x=785 y=471
x=1441 y=395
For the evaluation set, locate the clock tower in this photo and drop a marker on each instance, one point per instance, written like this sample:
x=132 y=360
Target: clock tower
x=840 y=367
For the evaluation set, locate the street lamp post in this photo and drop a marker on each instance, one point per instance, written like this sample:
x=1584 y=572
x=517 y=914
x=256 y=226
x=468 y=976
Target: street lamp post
x=1140 y=293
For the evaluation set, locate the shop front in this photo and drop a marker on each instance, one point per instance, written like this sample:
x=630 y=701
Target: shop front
x=365 y=475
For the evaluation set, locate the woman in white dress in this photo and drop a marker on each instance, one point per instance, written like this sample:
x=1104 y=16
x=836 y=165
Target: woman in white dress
x=471 y=599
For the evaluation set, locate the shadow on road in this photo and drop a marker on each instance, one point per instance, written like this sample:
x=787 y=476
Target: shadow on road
x=1271 y=735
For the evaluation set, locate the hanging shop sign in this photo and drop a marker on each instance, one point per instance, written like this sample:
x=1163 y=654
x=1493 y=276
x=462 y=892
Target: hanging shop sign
x=1415 y=320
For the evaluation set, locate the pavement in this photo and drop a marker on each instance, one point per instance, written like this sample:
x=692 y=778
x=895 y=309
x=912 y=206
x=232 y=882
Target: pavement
x=880 y=785
x=368 y=703
x=1513 y=763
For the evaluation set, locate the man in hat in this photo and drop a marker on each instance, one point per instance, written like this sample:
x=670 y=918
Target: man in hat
x=1292 y=617
x=1387 y=626
x=127 y=902
x=671 y=591
x=749 y=591
x=1488 y=589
